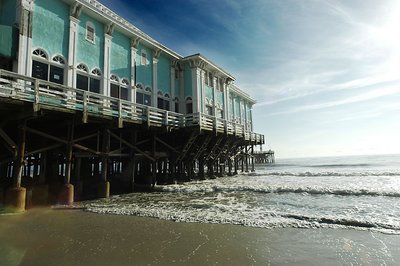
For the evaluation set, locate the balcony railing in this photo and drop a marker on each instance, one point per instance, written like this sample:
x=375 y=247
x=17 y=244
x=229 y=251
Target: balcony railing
x=52 y=95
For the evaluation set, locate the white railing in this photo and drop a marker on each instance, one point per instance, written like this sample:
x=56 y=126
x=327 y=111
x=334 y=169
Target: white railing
x=44 y=93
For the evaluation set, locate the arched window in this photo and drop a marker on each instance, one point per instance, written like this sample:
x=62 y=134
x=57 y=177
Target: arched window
x=176 y=102
x=44 y=69
x=209 y=106
x=189 y=105
x=40 y=53
x=90 y=32
x=219 y=111
x=163 y=101
x=88 y=82
x=143 y=96
x=117 y=89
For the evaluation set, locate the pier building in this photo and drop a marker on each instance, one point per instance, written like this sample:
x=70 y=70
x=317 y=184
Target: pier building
x=91 y=105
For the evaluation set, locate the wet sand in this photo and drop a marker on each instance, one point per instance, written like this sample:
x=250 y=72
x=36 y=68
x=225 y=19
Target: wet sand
x=74 y=237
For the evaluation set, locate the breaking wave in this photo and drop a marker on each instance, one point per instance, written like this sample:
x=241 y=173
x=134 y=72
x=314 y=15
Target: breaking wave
x=281 y=190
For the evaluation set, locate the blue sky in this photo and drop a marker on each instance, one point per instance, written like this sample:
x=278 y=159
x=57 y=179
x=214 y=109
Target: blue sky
x=325 y=73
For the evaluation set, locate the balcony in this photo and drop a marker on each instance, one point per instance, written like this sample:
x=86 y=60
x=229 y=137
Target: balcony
x=49 y=95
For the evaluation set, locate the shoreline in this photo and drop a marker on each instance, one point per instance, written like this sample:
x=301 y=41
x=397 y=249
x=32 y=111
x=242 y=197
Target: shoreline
x=47 y=236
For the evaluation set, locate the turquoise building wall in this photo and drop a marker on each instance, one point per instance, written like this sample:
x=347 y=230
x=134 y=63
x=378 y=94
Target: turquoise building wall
x=188 y=81
x=164 y=74
x=88 y=53
x=8 y=33
x=237 y=107
x=50 y=27
x=219 y=97
x=7 y=12
x=120 y=61
x=208 y=91
x=144 y=74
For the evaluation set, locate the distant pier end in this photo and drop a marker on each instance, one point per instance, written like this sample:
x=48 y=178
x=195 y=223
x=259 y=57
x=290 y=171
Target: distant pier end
x=264 y=157
x=96 y=107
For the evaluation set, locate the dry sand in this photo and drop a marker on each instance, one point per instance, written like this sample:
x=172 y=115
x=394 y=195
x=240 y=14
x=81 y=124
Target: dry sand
x=65 y=237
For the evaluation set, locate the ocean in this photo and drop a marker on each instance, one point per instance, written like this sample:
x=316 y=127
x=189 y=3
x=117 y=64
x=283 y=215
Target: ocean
x=354 y=192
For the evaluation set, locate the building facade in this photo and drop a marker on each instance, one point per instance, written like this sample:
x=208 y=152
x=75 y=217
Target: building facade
x=88 y=101
x=83 y=44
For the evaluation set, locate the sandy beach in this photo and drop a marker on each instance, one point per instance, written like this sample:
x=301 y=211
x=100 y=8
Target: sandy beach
x=74 y=237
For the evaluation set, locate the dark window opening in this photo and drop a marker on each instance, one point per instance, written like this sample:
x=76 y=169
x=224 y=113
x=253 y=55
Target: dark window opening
x=82 y=82
x=189 y=108
x=40 y=70
x=56 y=75
x=177 y=107
x=114 y=90
x=94 y=85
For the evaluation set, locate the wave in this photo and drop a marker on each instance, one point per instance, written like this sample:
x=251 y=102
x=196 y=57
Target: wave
x=340 y=165
x=327 y=174
x=280 y=190
x=269 y=219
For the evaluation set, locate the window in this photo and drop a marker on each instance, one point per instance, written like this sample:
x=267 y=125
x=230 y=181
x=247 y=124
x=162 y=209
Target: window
x=118 y=90
x=143 y=96
x=90 y=32
x=163 y=101
x=176 y=101
x=189 y=105
x=43 y=69
x=86 y=81
x=210 y=80
x=143 y=59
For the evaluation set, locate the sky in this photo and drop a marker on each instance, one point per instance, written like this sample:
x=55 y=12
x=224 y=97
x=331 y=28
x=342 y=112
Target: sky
x=325 y=73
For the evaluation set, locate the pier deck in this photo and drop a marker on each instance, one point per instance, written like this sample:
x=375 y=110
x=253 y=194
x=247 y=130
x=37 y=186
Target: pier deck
x=61 y=144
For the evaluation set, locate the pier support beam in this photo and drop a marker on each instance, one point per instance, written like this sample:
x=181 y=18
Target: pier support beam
x=16 y=195
x=103 y=188
x=66 y=196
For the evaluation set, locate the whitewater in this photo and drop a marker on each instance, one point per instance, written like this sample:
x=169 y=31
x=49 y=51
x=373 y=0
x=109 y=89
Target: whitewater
x=354 y=192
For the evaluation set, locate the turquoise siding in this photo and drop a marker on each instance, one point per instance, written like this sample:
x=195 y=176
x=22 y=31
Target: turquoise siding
x=209 y=92
x=7 y=12
x=188 y=80
x=88 y=53
x=164 y=74
x=144 y=73
x=8 y=33
x=219 y=98
x=120 y=61
x=50 y=27
x=237 y=106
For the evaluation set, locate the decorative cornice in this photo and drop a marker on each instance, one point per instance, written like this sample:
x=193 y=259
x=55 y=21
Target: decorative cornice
x=156 y=54
x=110 y=28
x=76 y=10
x=135 y=42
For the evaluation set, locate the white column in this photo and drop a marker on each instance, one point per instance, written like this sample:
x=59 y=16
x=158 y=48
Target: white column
x=25 y=37
x=182 y=100
x=214 y=82
x=155 y=83
x=226 y=101
x=73 y=39
x=133 y=77
x=234 y=108
x=172 y=102
x=203 y=91
x=107 y=55
x=196 y=79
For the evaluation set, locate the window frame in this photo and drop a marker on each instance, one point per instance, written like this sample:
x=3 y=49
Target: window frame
x=90 y=24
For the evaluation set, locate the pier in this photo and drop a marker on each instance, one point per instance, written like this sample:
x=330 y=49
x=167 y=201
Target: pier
x=61 y=144
x=95 y=107
x=264 y=157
